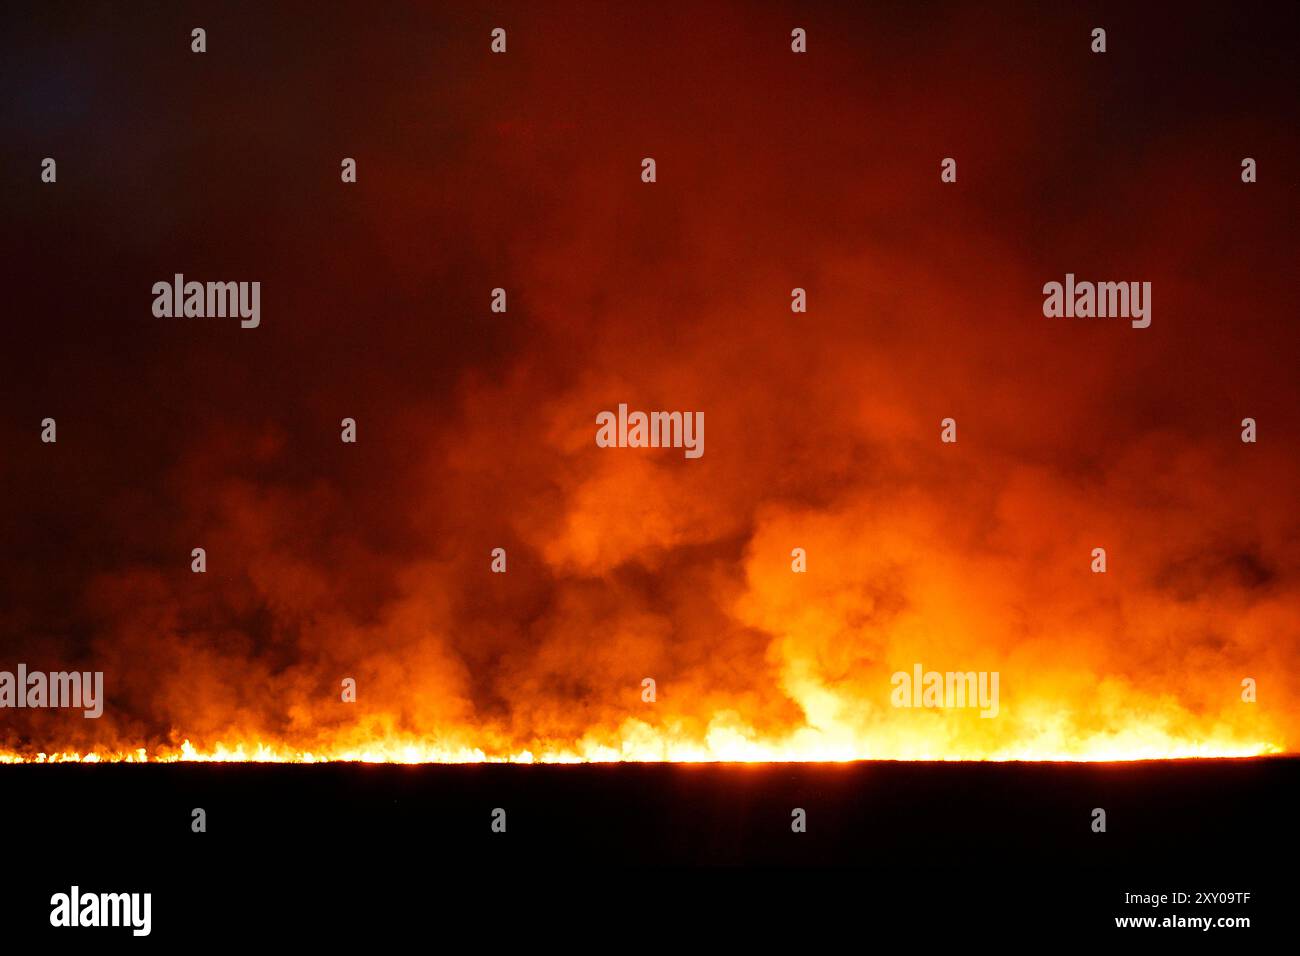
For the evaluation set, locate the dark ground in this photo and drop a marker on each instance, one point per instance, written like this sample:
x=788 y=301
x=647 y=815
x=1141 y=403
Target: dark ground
x=989 y=848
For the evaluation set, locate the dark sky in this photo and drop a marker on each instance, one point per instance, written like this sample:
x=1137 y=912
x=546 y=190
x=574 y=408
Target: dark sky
x=476 y=430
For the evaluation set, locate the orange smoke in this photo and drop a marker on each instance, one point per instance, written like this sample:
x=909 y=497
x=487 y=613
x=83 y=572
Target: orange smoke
x=476 y=430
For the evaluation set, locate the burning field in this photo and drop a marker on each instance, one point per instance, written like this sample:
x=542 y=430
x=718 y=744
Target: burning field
x=450 y=445
x=477 y=577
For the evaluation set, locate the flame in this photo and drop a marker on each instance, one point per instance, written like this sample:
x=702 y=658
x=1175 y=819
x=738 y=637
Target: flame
x=725 y=743
x=413 y=753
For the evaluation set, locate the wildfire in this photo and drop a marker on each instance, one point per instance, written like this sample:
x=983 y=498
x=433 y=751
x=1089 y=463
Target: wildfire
x=721 y=746
x=911 y=472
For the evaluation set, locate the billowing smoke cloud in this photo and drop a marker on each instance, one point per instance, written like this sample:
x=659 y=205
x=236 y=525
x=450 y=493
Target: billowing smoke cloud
x=476 y=430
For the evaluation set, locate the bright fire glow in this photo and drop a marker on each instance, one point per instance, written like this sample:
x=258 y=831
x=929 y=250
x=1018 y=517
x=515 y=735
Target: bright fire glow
x=1101 y=534
x=723 y=745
